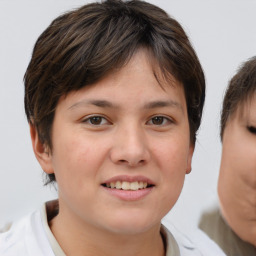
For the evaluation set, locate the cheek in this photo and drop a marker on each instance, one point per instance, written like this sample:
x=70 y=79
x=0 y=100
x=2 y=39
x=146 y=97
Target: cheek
x=240 y=163
x=173 y=163
x=173 y=153
x=246 y=163
x=172 y=159
x=72 y=160
x=237 y=180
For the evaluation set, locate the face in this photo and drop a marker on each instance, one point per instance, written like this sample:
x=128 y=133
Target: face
x=237 y=180
x=121 y=149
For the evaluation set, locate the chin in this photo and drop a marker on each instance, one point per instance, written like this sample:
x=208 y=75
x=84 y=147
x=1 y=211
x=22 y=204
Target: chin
x=131 y=225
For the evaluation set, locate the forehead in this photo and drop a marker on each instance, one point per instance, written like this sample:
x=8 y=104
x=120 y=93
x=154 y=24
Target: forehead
x=141 y=75
x=143 y=60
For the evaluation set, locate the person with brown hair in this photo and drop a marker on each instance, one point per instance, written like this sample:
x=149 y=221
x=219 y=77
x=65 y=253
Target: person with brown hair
x=234 y=226
x=114 y=94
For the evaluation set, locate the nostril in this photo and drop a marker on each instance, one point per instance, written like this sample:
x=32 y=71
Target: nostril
x=132 y=163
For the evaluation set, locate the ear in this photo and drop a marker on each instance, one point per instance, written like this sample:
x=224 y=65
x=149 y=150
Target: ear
x=42 y=152
x=189 y=160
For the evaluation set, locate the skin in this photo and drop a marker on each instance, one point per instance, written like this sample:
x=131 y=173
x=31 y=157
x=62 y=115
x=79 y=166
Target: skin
x=237 y=180
x=141 y=129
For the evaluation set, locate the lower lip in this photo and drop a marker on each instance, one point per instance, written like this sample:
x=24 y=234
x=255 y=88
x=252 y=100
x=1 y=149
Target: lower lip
x=129 y=195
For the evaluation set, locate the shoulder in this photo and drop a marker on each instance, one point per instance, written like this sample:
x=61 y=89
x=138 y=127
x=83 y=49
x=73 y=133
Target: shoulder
x=193 y=242
x=12 y=241
x=211 y=222
x=214 y=225
x=25 y=237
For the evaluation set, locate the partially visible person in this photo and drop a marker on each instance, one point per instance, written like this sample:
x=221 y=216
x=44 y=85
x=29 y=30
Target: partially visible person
x=233 y=227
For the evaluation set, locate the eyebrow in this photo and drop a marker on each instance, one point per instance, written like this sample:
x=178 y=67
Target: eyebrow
x=161 y=104
x=97 y=103
x=108 y=104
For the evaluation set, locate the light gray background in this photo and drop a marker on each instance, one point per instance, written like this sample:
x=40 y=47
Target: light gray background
x=223 y=33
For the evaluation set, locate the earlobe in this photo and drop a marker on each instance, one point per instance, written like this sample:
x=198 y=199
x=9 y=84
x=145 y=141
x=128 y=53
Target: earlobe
x=189 y=160
x=41 y=151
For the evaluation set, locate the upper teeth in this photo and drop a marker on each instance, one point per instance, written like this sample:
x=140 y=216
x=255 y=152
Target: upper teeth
x=125 y=185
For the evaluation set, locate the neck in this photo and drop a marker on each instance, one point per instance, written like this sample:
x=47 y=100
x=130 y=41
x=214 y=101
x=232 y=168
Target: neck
x=79 y=238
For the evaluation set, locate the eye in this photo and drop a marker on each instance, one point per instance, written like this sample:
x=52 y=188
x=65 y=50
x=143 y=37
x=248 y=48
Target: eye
x=159 y=120
x=251 y=129
x=96 y=120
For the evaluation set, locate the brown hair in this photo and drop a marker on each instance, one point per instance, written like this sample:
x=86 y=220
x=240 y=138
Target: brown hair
x=82 y=46
x=241 y=88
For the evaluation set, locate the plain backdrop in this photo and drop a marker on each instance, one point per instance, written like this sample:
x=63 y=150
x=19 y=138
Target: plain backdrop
x=223 y=33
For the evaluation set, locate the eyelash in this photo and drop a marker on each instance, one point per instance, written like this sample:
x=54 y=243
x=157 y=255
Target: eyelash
x=90 y=121
x=252 y=129
x=165 y=120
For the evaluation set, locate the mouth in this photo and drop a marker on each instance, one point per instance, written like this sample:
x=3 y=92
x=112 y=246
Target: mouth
x=128 y=186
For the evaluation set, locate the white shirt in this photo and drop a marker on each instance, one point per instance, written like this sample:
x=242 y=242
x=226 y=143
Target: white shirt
x=196 y=243
x=31 y=236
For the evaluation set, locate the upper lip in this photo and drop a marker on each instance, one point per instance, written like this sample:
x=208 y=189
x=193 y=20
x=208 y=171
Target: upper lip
x=129 y=178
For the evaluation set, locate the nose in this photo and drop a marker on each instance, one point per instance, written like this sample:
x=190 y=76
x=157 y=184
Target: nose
x=130 y=147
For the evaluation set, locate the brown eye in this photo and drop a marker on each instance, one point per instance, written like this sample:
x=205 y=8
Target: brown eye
x=96 y=120
x=158 y=120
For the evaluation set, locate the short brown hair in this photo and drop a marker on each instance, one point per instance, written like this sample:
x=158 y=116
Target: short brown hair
x=241 y=88
x=82 y=46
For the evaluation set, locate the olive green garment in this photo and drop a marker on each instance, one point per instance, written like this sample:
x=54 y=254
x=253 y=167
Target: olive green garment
x=213 y=224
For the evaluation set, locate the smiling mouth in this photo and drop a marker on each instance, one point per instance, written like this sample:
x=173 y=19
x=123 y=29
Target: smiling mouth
x=125 y=185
